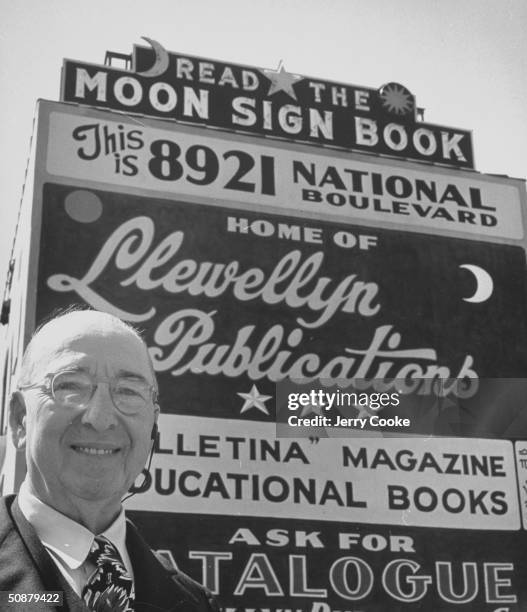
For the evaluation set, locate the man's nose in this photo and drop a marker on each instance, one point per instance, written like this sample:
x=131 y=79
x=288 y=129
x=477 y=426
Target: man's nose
x=100 y=411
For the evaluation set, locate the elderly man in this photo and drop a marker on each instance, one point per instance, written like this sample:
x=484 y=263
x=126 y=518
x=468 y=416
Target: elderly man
x=85 y=413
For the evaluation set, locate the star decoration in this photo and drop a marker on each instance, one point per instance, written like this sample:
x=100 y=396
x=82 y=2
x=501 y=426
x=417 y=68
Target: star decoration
x=312 y=409
x=362 y=412
x=281 y=80
x=254 y=399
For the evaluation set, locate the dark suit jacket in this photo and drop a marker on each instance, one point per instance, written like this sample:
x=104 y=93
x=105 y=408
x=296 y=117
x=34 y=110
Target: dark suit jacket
x=26 y=567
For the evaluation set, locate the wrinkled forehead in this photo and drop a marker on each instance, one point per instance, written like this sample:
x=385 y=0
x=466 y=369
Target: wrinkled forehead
x=99 y=345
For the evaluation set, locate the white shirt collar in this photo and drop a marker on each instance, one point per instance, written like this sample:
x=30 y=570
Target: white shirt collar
x=66 y=538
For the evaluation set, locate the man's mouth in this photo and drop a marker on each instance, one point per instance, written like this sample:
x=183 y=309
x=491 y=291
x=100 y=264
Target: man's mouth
x=91 y=450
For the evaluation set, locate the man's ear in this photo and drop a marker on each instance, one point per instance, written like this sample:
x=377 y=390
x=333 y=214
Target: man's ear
x=153 y=435
x=17 y=419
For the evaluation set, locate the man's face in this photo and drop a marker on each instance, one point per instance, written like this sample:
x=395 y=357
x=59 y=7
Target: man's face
x=95 y=452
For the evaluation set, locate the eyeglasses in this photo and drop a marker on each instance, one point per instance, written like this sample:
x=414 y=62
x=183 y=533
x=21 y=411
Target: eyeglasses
x=74 y=389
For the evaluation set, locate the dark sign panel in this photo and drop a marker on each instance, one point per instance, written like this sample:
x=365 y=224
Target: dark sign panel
x=268 y=102
x=270 y=564
x=234 y=303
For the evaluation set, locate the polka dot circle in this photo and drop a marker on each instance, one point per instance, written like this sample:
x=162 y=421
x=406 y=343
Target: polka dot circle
x=83 y=206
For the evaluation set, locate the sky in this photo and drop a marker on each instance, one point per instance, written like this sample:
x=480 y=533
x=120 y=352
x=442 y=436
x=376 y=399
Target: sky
x=464 y=60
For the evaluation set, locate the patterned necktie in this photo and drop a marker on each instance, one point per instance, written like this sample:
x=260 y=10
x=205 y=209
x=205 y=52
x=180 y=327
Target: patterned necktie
x=109 y=588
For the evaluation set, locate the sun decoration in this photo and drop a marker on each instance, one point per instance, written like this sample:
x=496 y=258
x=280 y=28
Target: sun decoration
x=396 y=99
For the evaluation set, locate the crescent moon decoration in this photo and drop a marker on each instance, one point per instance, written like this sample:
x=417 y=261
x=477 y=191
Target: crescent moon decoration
x=161 y=59
x=484 y=284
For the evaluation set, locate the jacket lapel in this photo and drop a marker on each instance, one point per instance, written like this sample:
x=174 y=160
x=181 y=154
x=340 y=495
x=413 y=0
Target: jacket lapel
x=155 y=588
x=52 y=579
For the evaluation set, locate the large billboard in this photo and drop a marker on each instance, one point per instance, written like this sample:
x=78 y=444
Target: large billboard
x=249 y=266
x=272 y=103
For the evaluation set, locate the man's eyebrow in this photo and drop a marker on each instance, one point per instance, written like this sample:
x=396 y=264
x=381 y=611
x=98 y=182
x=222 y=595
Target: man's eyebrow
x=70 y=368
x=129 y=374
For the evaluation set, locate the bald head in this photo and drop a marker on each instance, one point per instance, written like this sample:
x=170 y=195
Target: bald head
x=52 y=336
